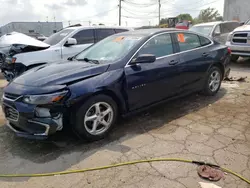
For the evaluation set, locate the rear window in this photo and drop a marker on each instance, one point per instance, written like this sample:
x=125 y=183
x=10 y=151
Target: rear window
x=229 y=27
x=103 y=33
x=205 y=30
x=188 y=41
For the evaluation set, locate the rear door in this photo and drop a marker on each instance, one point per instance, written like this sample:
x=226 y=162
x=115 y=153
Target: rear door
x=151 y=82
x=195 y=57
x=103 y=33
x=84 y=38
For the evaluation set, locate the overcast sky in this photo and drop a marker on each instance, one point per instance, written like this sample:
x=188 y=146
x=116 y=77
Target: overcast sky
x=135 y=12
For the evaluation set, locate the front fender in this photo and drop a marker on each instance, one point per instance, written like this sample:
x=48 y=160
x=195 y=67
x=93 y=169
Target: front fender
x=111 y=83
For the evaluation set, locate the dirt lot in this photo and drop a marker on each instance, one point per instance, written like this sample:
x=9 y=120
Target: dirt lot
x=213 y=129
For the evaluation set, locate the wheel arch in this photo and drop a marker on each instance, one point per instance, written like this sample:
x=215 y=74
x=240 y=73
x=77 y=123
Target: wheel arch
x=118 y=98
x=220 y=66
x=121 y=105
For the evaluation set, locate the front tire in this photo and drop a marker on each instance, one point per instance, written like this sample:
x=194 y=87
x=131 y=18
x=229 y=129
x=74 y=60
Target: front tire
x=213 y=81
x=234 y=58
x=96 y=117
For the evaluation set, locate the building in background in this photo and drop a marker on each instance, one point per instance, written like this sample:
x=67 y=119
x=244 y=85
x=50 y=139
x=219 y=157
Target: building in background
x=237 y=10
x=32 y=28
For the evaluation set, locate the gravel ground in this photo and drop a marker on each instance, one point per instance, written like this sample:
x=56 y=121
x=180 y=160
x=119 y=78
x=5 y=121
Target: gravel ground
x=213 y=129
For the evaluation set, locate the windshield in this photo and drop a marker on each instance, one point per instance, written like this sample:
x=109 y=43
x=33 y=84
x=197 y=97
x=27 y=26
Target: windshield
x=205 y=30
x=111 y=48
x=57 y=37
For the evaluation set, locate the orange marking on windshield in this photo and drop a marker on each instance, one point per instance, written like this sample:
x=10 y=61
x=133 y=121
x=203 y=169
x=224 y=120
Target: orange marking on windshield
x=119 y=39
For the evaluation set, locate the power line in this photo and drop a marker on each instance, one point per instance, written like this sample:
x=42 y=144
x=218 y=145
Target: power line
x=138 y=4
x=145 y=14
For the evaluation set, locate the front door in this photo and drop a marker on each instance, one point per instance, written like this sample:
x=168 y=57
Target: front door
x=147 y=83
x=84 y=38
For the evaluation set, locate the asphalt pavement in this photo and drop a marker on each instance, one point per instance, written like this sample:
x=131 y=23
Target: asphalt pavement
x=212 y=129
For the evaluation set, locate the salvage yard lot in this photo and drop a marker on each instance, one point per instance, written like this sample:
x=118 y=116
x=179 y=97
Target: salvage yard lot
x=212 y=129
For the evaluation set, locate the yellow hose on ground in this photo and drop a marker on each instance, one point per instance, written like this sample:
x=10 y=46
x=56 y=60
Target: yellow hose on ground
x=122 y=164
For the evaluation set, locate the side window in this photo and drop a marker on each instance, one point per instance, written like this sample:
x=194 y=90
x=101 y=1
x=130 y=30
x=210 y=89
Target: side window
x=85 y=36
x=188 y=41
x=120 y=30
x=103 y=33
x=159 y=46
x=233 y=26
x=217 y=29
x=204 y=41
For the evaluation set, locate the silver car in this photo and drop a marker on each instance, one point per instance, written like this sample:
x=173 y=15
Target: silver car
x=216 y=30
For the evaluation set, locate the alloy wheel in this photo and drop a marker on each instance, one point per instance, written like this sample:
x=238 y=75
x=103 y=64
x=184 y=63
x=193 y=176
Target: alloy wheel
x=214 y=80
x=98 y=118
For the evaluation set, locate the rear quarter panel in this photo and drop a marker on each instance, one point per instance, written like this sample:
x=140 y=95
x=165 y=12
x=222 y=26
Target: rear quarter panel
x=220 y=56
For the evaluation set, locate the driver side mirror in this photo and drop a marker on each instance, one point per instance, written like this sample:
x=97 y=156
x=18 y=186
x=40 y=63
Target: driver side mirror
x=242 y=23
x=144 y=58
x=217 y=34
x=70 y=42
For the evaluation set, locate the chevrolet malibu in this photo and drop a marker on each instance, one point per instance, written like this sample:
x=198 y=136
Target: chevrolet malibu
x=119 y=75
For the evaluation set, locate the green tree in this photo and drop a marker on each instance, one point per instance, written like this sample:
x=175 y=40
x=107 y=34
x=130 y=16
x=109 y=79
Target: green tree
x=208 y=15
x=185 y=17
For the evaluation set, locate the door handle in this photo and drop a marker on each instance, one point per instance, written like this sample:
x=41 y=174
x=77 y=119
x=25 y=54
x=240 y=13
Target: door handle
x=173 y=62
x=205 y=54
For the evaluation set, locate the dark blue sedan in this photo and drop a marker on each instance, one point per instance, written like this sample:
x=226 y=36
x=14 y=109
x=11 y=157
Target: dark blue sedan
x=120 y=75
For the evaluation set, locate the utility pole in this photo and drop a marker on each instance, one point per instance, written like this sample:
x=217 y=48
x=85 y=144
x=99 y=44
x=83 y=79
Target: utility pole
x=159 y=12
x=120 y=11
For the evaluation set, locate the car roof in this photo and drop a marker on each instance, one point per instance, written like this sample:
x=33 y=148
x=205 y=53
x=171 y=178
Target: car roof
x=214 y=23
x=97 y=27
x=149 y=32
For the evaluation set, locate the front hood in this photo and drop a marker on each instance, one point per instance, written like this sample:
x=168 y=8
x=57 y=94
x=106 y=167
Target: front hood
x=15 y=38
x=15 y=43
x=242 y=28
x=62 y=73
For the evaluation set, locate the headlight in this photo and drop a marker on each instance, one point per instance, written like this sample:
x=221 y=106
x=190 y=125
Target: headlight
x=229 y=37
x=45 y=99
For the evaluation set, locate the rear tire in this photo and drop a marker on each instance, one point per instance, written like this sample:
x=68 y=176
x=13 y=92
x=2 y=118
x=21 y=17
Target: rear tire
x=234 y=58
x=95 y=118
x=213 y=81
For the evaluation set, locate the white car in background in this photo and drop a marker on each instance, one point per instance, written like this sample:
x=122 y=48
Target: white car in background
x=26 y=53
x=239 y=42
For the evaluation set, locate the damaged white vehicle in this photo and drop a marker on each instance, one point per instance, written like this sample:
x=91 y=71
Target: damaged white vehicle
x=22 y=52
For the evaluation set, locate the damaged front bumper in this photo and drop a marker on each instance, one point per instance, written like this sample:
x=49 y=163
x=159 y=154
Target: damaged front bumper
x=30 y=121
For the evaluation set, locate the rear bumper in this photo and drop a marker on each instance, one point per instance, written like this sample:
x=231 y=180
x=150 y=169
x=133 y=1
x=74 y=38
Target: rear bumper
x=240 y=50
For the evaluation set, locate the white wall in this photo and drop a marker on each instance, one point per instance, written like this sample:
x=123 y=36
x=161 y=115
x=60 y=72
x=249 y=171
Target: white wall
x=237 y=10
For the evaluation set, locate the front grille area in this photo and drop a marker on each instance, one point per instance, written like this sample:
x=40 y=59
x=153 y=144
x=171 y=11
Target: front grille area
x=240 y=35
x=11 y=113
x=11 y=96
x=240 y=38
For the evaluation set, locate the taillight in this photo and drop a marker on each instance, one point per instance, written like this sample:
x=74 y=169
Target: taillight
x=13 y=60
x=229 y=50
